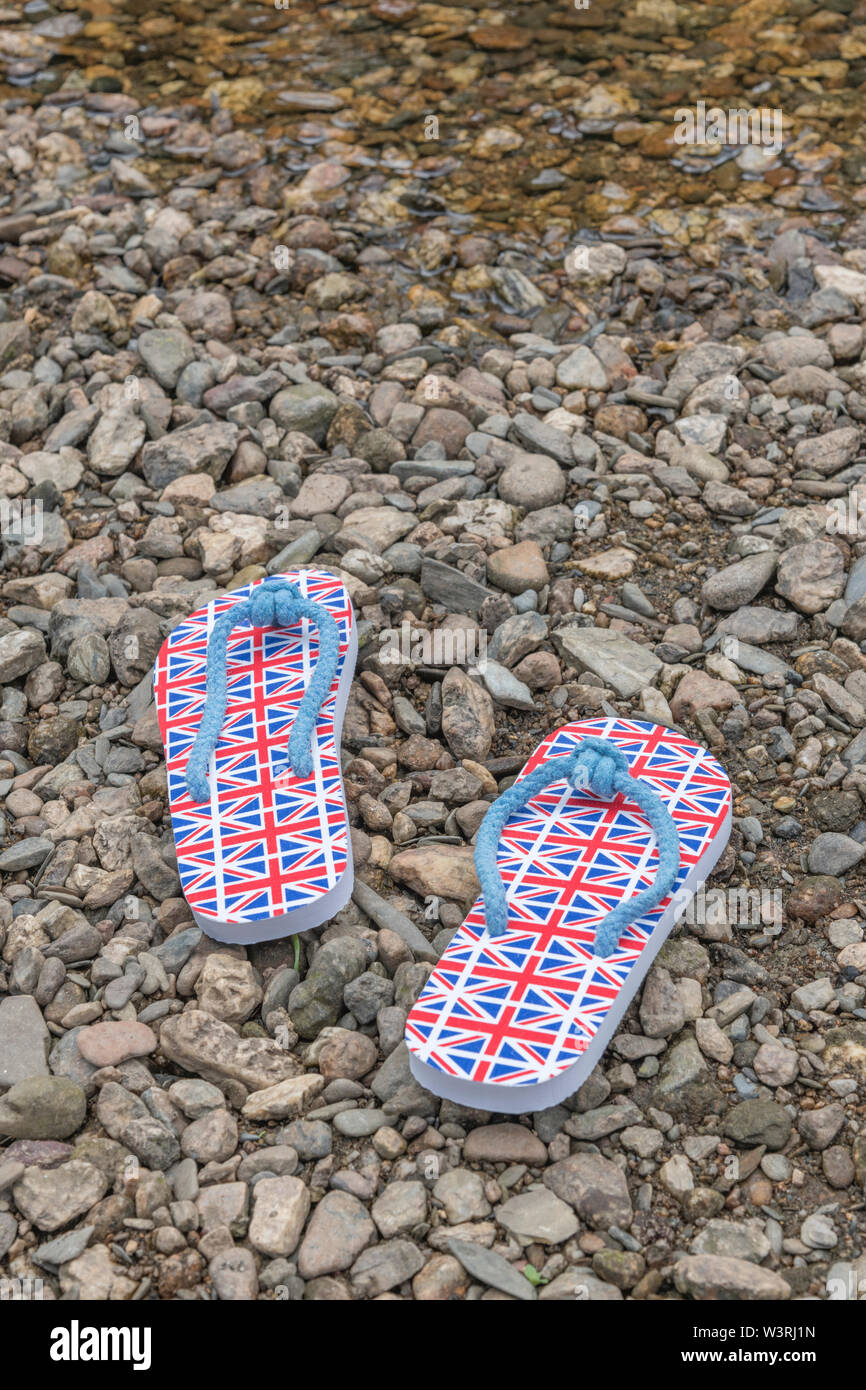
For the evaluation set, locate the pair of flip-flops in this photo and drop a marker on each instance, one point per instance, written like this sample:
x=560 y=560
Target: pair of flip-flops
x=585 y=862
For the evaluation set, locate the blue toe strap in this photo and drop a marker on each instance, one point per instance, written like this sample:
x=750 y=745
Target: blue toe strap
x=273 y=602
x=599 y=766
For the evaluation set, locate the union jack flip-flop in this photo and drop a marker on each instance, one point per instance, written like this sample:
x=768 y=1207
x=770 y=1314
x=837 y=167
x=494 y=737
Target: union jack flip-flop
x=585 y=864
x=251 y=692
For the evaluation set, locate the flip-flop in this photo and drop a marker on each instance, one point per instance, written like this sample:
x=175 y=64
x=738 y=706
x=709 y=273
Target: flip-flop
x=250 y=694
x=583 y=873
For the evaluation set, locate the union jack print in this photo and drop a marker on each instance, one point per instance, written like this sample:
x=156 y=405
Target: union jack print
x=266 y=842
x=521 y=1008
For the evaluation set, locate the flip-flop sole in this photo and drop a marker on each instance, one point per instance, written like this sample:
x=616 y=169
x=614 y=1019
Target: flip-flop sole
x=517 y=1023
x=269 y=854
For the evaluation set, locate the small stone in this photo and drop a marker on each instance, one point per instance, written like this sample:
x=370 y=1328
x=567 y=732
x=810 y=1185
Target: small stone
x=346 y=1054
x=739 y=583
x=722 y=1277
x=26 y=854
x=211 y=1139
x=283 y=1100
x=617 y=563
x=491 y=1269
x=820 y=1127
x=538 y=1215
x=505 y=1143
x=776 y=1065
x=280 y=1208
x=19 y=653
x=227 y=988
x=127 y=1119
x=24 y=1040
x=697 y=691
x=462 y=1194
x=234 y=1276
x=624 y=665
x=811 y=575
x=581 y=370
x=732 y=1239
x=532 y=481
x=594 y=1186
x=338 y=1231
x=384 y=1266
x=755 y=1122
x=211 y=1049
x=42 y=1107
x=400 y=1209
x=838 y=1166
x=517 y=568
x=53 y=1197
x=834 y=854
x=817 y=1232
x=308 y=408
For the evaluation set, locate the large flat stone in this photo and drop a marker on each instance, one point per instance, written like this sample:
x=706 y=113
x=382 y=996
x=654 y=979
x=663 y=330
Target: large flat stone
x=445 y=584
x=622 y=664
x=211 y=1049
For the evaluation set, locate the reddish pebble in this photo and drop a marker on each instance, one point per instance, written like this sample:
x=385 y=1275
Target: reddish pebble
x=109 y=1044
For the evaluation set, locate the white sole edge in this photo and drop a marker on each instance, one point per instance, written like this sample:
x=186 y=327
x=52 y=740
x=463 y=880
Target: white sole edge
x=315 y=913
x=503 y=1098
